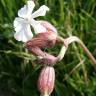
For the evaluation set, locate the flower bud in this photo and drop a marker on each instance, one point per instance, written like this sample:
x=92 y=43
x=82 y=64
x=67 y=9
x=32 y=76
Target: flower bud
x=48 y=60
x=46 y=81
x=48 y=26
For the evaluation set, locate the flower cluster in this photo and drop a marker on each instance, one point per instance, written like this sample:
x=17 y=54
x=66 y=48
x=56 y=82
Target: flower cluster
x=22 y=26
x=46 y=37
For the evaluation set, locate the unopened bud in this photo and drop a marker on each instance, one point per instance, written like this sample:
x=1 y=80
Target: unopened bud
x=48 y=60
x=46 y=81
x=49 y=26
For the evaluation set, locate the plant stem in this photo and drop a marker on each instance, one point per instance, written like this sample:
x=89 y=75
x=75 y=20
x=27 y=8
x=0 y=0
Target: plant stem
x=62 y=53
x=72 y=39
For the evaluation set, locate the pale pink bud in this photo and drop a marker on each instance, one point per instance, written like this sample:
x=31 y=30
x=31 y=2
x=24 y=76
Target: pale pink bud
x=51 y=30
x=46 y=81
x=48 y=26
x=48 y=60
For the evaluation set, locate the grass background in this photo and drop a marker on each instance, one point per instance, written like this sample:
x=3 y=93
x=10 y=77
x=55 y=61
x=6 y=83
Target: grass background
x=75 y=75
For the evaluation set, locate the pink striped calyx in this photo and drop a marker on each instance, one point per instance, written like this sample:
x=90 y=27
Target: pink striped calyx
x=46 y=81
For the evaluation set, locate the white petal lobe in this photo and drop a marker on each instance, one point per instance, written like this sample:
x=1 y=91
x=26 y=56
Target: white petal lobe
x=39 y=28
x=23 y=12
x=26 y=11
x=31 y=6
x=40 y=12
x=23 y=30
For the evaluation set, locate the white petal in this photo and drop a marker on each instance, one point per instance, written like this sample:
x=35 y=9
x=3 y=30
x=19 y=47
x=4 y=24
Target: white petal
x=31 y=6
x=17 y=23
x=25 y=11
x=23 y=30
x=40 y=12
x=38 y=27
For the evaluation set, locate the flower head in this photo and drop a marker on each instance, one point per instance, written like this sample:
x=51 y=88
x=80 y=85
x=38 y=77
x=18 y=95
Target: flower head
x=26 y=19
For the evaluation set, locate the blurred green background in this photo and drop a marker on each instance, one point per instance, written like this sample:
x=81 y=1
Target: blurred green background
x=75 y=75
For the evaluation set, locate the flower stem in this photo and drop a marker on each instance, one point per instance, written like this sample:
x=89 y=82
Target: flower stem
x=72 y=39
x=62 y=53
x=45 y=94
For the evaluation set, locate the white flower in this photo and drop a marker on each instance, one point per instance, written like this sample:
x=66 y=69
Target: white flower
x=25 y=19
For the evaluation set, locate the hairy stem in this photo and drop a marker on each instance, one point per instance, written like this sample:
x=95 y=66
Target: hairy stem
x=62 y=53
x=71 y=39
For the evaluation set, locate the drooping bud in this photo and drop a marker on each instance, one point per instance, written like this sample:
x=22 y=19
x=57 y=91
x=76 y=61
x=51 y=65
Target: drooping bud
x=48 y=60
x=48 y=26
x=46 y=81
x=51 y=31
